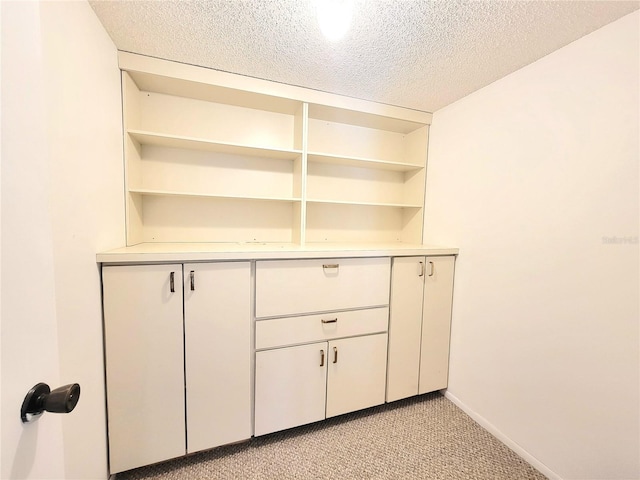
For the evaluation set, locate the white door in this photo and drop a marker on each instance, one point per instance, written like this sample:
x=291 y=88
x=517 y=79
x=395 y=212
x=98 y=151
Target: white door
x=291 y=386
x=217 y=301
x=356 y=373
x=144 y=364
x=436 y=324
x=405 y=325
x=29 y=339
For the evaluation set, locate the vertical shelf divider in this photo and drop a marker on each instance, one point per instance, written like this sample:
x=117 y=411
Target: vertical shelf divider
x=297 y=227
x=132 y=159
x=303 y=134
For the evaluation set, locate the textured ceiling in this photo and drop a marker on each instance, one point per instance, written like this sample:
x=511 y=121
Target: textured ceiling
x=420 y=54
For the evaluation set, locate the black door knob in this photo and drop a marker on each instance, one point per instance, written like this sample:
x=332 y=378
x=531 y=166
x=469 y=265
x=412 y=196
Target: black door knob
x=40 y=399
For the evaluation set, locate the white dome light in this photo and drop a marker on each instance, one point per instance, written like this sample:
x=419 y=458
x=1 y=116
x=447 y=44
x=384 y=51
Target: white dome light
x=334 y=17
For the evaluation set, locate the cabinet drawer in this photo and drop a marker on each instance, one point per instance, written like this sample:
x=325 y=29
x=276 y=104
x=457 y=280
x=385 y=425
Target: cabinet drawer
x=285 y=287
x=279 y=332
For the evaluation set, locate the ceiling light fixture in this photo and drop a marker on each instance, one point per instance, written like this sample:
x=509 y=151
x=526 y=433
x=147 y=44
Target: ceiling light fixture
x=334 y=17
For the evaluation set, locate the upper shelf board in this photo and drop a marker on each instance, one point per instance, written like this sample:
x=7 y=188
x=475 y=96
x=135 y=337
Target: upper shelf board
x=214 y=93
x=362 y=119
x=361 y=162
x=170 y=193
x=174 y=141
x=173 y=78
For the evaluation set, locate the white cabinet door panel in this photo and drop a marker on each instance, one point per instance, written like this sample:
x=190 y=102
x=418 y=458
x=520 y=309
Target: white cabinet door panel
x=290 y=387
x=218 y=353
x=405 y=326
x=144 y=364
x=436 y=324
x=356 y=373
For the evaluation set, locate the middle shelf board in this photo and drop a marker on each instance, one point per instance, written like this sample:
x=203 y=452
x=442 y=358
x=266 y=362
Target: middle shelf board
x=192 y=143
x=366 y=204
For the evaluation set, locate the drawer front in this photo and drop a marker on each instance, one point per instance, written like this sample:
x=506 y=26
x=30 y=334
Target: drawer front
x=287 y=287
x=280 y=332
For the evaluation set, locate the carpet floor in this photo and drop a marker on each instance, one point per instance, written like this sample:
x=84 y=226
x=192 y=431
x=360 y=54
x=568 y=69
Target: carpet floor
x=425 y=437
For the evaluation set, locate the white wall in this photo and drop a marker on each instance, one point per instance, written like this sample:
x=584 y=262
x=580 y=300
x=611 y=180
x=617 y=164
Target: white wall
x=67 y=204
x=531 y=177
x=87 y=204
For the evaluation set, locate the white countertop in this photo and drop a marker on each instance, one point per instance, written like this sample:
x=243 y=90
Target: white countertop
x=200 y=252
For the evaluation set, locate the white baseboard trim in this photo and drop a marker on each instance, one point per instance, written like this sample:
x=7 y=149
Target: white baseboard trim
x=488 y=426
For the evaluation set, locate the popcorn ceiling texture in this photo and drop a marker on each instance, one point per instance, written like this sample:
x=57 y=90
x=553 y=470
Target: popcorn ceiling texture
x=413 y=53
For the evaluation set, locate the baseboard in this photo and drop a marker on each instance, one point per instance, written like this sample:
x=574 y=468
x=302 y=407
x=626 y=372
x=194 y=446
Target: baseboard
x=488 y=426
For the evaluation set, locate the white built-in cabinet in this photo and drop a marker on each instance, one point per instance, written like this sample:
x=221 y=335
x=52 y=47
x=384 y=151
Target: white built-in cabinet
x=296 y=385
x=274 y=273
x=176 y=383
x=419 y=325
x=325 y=351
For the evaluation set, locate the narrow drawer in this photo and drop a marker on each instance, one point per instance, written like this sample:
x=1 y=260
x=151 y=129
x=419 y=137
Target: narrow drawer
x=288 y=287
x=280 y=332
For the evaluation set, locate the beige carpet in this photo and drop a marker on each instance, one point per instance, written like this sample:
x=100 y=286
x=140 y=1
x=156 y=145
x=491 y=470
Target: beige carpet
x=424 y=437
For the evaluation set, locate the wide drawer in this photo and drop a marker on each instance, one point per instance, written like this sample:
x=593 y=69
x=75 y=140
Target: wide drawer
x=286 y=287
x=278 y=332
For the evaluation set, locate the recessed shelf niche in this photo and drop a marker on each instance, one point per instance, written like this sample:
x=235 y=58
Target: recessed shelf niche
x=206 y=162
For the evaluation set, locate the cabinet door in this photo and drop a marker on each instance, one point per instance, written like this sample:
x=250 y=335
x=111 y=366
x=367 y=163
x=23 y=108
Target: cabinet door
x=356 y=373
x=290 y=387
x=405 y=325
x=144 y=364
x=217 y=301
x=436 y=324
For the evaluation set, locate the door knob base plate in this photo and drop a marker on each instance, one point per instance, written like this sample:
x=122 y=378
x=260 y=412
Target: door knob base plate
x=33 y=404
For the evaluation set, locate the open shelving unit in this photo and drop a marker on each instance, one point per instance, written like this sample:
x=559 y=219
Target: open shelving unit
x=214 y=157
